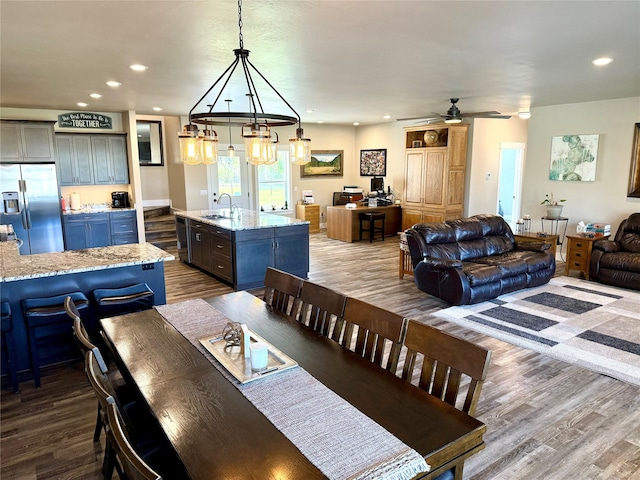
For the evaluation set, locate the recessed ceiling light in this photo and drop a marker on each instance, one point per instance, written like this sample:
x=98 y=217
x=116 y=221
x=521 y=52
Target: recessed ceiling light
x=524 y=115
x=320 y=121
x=138 y=68
x=95 y=95
x=81 y=104
x=386 y=117
x=113 y=83
x=356 y=123
x=602 y=61
x=309 y=111
x=157 y=109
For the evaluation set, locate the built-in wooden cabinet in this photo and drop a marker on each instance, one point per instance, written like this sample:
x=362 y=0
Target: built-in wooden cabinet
x=92 y=159
x=435 y=163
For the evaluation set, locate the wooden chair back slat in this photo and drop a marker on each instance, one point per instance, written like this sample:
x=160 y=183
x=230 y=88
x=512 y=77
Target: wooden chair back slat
x=320 y=307
x=446 y=360
x=380 y=333
x=134 y=467
x=281 y=291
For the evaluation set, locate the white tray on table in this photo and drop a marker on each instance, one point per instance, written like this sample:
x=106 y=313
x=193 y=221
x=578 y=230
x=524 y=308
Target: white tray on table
x=233 y=360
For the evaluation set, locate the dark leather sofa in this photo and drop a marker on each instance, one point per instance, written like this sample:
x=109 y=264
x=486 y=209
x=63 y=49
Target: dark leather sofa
x=474 y=259
x=617 y=262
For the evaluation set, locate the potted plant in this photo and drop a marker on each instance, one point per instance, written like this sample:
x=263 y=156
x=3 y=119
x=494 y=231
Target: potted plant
x=554 y=207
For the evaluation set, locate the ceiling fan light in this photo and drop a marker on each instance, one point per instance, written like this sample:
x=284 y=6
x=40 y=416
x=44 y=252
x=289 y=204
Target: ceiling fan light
x=453 y=120
x=190 y=147
x=300 y=148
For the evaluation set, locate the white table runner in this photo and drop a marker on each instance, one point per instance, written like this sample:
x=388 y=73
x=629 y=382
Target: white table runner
x=334 y=435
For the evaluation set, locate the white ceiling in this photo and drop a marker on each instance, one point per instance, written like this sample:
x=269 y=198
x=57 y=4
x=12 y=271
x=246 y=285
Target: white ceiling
x=348 y=61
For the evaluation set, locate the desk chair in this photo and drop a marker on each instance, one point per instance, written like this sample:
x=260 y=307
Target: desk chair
x=445 y=360
x=281 y=291
x=379 y=333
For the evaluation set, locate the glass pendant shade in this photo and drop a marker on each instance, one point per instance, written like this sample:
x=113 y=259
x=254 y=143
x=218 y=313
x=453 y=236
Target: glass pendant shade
x=300 y=148
x=209 y=147
x=190 y=147
x=257 y=142
x=231 y=152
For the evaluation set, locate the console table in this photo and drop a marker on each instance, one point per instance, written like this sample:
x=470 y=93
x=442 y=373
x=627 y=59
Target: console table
x=556 y=223
x=343 y=223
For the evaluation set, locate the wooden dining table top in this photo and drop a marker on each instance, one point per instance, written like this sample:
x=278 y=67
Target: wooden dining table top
x=218 y=433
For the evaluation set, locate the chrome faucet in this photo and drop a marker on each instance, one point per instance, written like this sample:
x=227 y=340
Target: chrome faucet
x=231 y=206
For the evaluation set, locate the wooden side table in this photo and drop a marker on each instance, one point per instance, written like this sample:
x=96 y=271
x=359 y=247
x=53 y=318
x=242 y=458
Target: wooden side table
x=311 y=213
x=552 y=240
x=405 y=265
x=579 y=254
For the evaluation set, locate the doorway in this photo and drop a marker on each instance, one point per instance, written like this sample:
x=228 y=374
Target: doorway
x=510 y=182
x=229 y=175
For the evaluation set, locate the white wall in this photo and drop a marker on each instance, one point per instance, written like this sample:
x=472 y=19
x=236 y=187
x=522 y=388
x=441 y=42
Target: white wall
x=484 y=145
x=155 y=179
x=604 y=200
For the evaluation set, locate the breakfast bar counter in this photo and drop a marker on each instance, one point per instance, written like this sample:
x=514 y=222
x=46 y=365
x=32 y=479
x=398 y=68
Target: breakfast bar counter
x=51 y=274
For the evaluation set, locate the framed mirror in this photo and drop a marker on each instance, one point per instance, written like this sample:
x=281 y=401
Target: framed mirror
x=150 y=143
x=634 y=174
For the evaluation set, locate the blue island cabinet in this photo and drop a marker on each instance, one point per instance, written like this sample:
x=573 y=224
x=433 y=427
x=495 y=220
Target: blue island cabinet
x=285 y=248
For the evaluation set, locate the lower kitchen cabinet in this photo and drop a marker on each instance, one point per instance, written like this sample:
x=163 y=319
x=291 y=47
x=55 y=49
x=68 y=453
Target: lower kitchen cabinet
x=88 y=230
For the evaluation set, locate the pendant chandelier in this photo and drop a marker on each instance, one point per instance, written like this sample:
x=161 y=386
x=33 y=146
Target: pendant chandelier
x=260 y=142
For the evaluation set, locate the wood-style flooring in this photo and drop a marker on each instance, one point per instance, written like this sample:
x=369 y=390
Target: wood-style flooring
x=545 y=419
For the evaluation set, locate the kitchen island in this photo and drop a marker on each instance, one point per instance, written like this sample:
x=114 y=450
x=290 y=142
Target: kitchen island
x=58 y=273
x=239 y=248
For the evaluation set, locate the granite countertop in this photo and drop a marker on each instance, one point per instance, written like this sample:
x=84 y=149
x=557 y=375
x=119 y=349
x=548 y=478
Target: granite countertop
x=95 y=209
x=14 y=266
x=244 y=219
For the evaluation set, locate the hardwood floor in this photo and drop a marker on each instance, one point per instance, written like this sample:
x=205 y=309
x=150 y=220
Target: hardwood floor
x=545 y=418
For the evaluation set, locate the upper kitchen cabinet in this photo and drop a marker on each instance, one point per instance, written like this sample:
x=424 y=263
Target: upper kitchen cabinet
x=74 y=160
x=92 y=159
x=26 y=142
x=109 y=160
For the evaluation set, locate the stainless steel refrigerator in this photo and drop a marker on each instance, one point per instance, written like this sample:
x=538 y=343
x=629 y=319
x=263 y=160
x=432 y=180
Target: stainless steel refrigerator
x=31 y=203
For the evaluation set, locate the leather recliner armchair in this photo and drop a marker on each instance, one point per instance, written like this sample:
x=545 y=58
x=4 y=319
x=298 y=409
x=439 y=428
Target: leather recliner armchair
x=617 y=262
x=471 y=260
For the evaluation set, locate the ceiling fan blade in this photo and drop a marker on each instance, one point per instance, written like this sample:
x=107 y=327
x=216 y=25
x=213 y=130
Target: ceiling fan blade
x=424 y=117
x=480 y=114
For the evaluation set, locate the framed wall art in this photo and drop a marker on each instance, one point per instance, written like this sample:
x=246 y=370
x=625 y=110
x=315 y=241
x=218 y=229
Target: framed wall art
x=634 y=173
x=573 y=158
x=324 y=163
x=373 y=163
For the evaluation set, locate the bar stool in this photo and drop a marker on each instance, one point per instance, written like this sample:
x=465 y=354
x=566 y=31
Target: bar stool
x=372 y=217
x=118 y=301
x=7 y=339
x=47 y=318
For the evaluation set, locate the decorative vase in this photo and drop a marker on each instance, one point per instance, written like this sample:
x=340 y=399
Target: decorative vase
x=554 y=211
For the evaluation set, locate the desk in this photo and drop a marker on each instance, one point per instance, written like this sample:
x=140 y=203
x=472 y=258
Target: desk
x=344 y=223
x=218 y=433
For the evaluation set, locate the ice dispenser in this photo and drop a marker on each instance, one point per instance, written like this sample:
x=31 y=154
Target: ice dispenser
x=10 y=202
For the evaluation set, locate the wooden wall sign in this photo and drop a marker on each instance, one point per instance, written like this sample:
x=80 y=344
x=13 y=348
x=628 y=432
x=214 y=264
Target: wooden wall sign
x=84 y=120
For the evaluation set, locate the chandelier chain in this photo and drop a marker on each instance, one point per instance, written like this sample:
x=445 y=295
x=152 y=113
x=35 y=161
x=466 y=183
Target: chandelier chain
x=240 y=23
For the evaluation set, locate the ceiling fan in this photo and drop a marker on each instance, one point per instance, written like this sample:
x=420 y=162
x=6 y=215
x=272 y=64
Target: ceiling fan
x=454 y=115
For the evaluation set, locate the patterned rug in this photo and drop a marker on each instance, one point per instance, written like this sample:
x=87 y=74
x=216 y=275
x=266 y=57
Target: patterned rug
x=584 y=323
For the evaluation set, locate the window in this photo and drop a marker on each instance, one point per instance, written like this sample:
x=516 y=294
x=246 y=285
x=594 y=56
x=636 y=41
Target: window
x=229 y=176
x=274 y=184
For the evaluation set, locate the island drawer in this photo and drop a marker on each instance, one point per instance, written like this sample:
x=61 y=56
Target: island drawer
x=222 y=269
x=220 y=232
x=220 y=247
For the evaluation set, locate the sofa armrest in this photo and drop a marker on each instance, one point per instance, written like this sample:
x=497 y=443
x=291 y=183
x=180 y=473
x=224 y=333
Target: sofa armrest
x=442 y=263
x=607 y=246
x=533 y=246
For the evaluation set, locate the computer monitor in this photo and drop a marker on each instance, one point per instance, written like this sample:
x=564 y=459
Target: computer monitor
x=377 y=184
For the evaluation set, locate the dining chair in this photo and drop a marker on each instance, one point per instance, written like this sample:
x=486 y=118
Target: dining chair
x=131 y=465
x=281 y=291
x=320 y=307
x=445 y=359
x=372 y=332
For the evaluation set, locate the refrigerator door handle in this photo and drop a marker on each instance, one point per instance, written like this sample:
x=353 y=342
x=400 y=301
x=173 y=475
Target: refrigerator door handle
x=26 y=217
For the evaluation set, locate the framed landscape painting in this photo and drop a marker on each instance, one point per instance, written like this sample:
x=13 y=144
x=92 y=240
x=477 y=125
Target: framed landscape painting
x=373 y=163
x=323 y=163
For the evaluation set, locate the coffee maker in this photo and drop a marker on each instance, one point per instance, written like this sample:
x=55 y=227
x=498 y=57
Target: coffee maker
x=119 y=199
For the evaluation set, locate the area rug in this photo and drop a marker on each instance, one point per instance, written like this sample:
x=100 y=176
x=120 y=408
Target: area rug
x=584 y=323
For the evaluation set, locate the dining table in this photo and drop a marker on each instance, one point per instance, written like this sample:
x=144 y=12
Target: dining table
x=217 y=432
